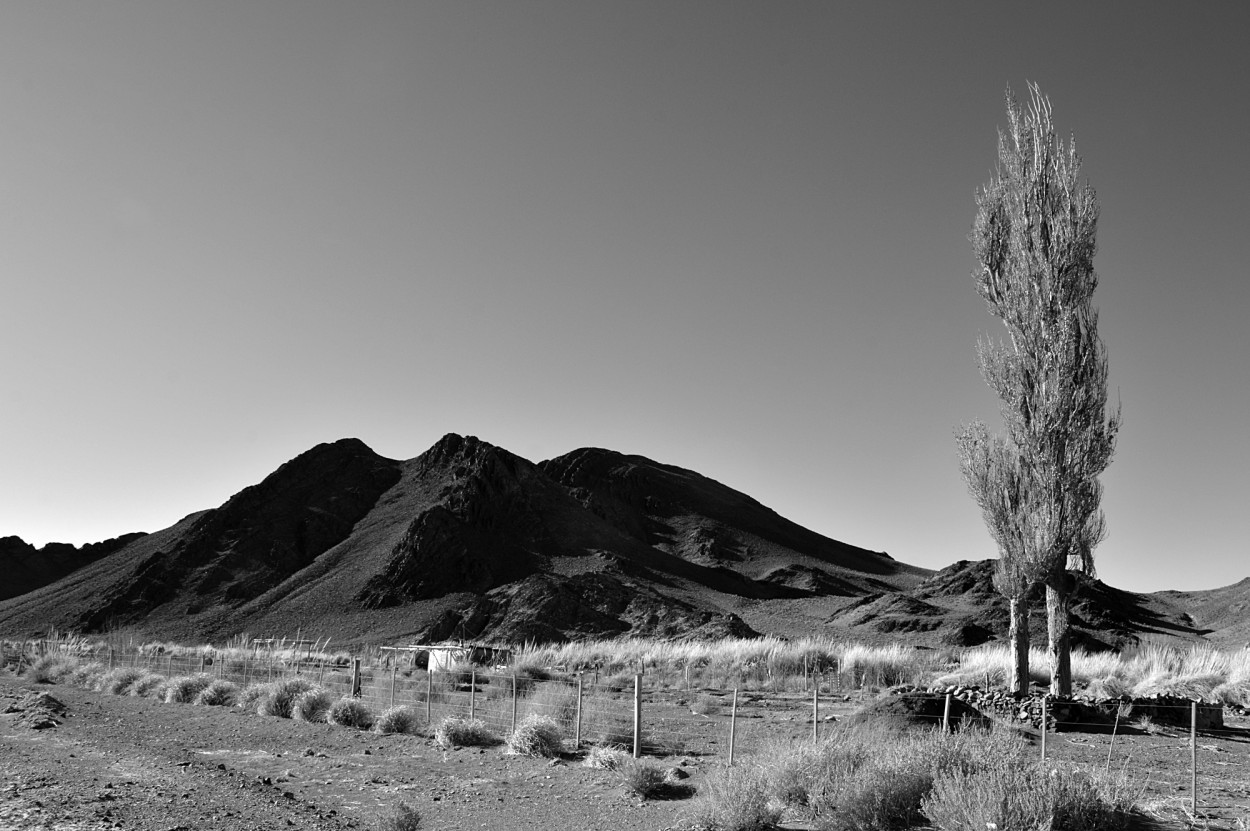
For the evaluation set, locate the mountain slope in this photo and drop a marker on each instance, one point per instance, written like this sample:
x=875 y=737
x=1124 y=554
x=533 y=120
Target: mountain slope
x=466 y=539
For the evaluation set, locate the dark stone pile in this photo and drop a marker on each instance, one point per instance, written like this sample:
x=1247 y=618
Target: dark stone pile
x=1085 y=714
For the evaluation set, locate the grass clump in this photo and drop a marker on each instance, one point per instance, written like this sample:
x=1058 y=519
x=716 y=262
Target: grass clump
x=186 y=688
x=312 y=706
x=461 y=732
x=399 y=719
x=537 y=736
x=403 y=817
x=252 y=695
x=650 y=781
x=281 y=695
x=735 y=799
x=146 y=684
x=86 y=675
x=120 y=680
x=350 y=712
x=50 y=669
x=605 y=758
x=220 y=693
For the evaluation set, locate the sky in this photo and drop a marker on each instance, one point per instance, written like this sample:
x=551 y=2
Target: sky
x=727 y=236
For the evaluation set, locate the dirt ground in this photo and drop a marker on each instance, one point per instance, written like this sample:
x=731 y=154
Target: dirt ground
x=132 y=763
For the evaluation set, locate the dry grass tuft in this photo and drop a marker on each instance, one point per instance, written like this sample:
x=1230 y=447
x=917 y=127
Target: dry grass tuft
x=186 y=689
x=119 y=681
x=458 y=732
x=350 y=712
x=399 y=720
x=220 y=693
x=312 y=706
x=537 y=736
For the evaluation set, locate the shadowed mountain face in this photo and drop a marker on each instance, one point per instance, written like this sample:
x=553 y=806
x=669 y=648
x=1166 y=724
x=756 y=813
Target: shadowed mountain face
x=26 y=568
x=468 y=540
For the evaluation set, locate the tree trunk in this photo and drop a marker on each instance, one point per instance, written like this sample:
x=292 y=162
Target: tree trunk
x=1018 y=632
x=1058 y=601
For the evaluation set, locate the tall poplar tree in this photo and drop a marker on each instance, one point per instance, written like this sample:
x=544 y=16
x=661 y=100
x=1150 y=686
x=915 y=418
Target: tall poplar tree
x=1037 y=483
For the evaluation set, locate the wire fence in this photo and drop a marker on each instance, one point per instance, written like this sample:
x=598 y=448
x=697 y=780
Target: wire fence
x=647 y=718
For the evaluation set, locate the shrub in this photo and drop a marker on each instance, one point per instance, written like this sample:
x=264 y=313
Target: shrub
x=459 y=732
x=186 y=688
x=86 y=675
x=605 y=758
x=219 y=693
x=706 y=705
x=50 y=669
x=398 y=720
x=402 y=817
x=735 y=799
x=147 y=684
x=557 y=700
x=536 y=736
x=616 y=732
x=1019 y=794
x=281 y=695
x=252 y=694
x=120 y=680
x=312 y=706
x=883 y=797
x=350 y=712
x=643 y=779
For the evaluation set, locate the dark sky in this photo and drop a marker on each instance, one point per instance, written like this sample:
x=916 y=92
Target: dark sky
x=728 y=236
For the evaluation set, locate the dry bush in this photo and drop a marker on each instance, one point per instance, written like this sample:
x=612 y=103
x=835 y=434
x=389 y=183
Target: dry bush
x=120 y=680
x=459 y=732
x=252 y=695
x=403 y=817
x=1021 y=795
x=735 y=799
x=537 y=736
x=605 y=758
x=50 y=669
x=281 y=696
x=86 y=675
x=147 y=684
x=643 y=778
x=399 y=720
x=312 y=705
x=185 y=689
x=220 y=693
x=350 y=712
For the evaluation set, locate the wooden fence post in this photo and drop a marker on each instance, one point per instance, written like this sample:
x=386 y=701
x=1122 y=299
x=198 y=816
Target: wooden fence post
x=394 y=670
x=946 y=715
x=355 y=678
x=1193 y=756
x=577 y=723
x=637 y=715
x=733 y=725
x=1045 y=720
x=514 y=702
x=429 y=695
x=816 y=713
x=472 y=693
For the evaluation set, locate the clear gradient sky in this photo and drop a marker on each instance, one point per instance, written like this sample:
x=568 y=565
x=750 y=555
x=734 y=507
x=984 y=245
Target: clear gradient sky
x=727 y=236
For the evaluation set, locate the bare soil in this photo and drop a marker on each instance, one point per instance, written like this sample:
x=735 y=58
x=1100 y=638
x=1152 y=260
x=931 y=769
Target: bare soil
x=133 y=763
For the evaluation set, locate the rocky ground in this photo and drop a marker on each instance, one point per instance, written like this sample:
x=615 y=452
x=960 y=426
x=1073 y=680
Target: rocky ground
x=74 y=760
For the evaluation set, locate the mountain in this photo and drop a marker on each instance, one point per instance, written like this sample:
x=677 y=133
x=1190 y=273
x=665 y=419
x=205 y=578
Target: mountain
x=464 y=540
x=470 y=541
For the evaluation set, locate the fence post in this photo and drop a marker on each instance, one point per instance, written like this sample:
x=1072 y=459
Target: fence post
x=637 y=715
x=110 y=657
x=1045 y=723
x=733 y=725
x=946 y=715
x=514 y=702
x=321 y=671
x=472 y=693
x=816 y=713
x=394 y=670
x=429 y=695
x=169 y=665
x=805 y=671
x=837 y=670
x=201 y=663
x=577 y=723
x=1193 y=755
x=355 y=678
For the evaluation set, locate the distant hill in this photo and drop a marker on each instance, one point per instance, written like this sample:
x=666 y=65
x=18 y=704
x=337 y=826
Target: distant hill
x=464 y=540
x=468 y=540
